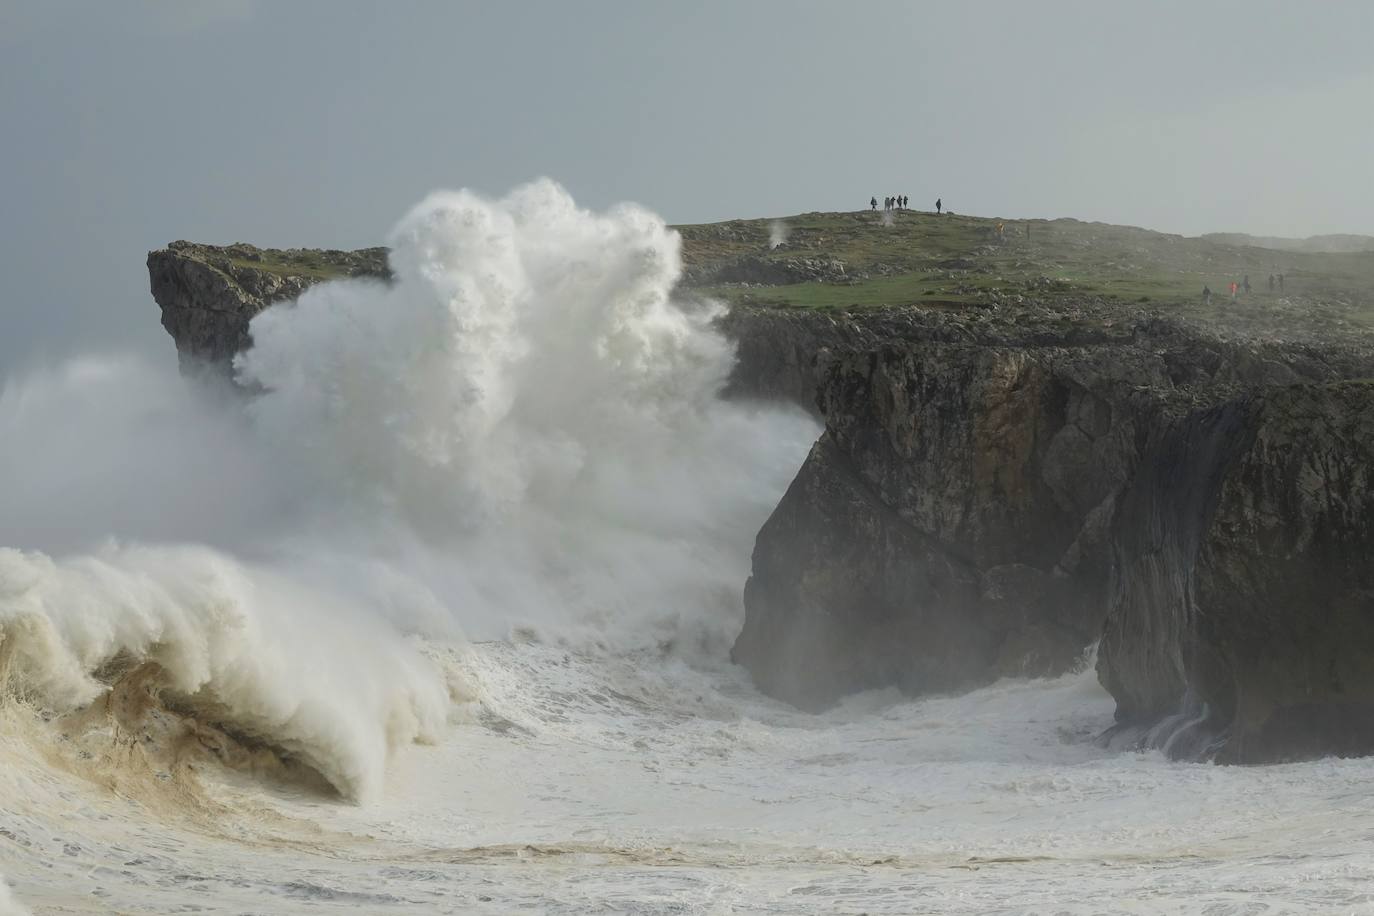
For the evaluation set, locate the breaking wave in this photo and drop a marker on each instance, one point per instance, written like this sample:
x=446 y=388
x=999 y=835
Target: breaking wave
x=522 y=431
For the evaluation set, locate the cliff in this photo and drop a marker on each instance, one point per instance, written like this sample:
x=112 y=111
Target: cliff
x=1021 y=457
x=961 y=517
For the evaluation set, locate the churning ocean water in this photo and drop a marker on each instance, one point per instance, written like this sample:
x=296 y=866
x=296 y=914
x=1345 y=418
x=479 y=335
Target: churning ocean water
x=437 y=620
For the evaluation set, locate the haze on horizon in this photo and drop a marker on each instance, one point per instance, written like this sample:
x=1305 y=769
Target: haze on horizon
x=318 y=124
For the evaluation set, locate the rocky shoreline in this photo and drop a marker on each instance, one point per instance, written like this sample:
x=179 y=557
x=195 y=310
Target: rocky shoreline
x=997 y=488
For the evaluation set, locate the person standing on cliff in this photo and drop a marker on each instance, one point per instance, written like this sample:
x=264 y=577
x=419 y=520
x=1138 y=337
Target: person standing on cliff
x=873 y=204
x=1206 y=295
x=938 y=204
x=1234 y=286
x=1246 y=285
x=1280 y=282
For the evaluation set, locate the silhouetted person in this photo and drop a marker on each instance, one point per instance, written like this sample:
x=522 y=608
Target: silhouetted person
x=1271 y=283
x=873 y=203
x=938 y=205
x=905 y=201
x=1246 y=285
x=1206 y=295
x=1280 y=282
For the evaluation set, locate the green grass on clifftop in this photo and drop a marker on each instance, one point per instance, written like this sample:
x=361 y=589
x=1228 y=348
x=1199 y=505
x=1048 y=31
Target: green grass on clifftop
x=924 y=259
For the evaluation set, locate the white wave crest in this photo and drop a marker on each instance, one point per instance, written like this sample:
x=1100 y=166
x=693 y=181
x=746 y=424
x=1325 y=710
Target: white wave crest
x=304 y=669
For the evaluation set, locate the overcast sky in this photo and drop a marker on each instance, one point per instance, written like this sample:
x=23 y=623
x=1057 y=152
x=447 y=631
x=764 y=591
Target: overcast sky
x=129 y=124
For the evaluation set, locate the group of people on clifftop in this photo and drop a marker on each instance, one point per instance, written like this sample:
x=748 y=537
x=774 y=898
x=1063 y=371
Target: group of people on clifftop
x=900 y=202
x=1243 y=286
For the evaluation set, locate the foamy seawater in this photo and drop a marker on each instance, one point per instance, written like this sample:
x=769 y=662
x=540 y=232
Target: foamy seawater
x=579 y=783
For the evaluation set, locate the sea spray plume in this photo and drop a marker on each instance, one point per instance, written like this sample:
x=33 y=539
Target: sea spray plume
x=528 y=397
x=777 y=233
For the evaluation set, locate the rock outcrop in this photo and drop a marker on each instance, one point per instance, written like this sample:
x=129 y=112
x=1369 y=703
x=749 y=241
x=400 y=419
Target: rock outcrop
x=753 y=269
x=208 y=293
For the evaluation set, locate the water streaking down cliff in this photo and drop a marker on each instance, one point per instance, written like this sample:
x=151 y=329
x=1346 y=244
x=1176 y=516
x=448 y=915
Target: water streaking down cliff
x=481 y=493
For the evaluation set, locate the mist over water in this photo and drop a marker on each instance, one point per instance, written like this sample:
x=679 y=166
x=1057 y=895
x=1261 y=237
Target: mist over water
x=497 y=509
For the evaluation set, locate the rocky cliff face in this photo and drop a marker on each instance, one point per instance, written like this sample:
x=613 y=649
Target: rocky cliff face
x=1241 y=619
x=987 y=506
x=952 y=520
x=996 y=488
